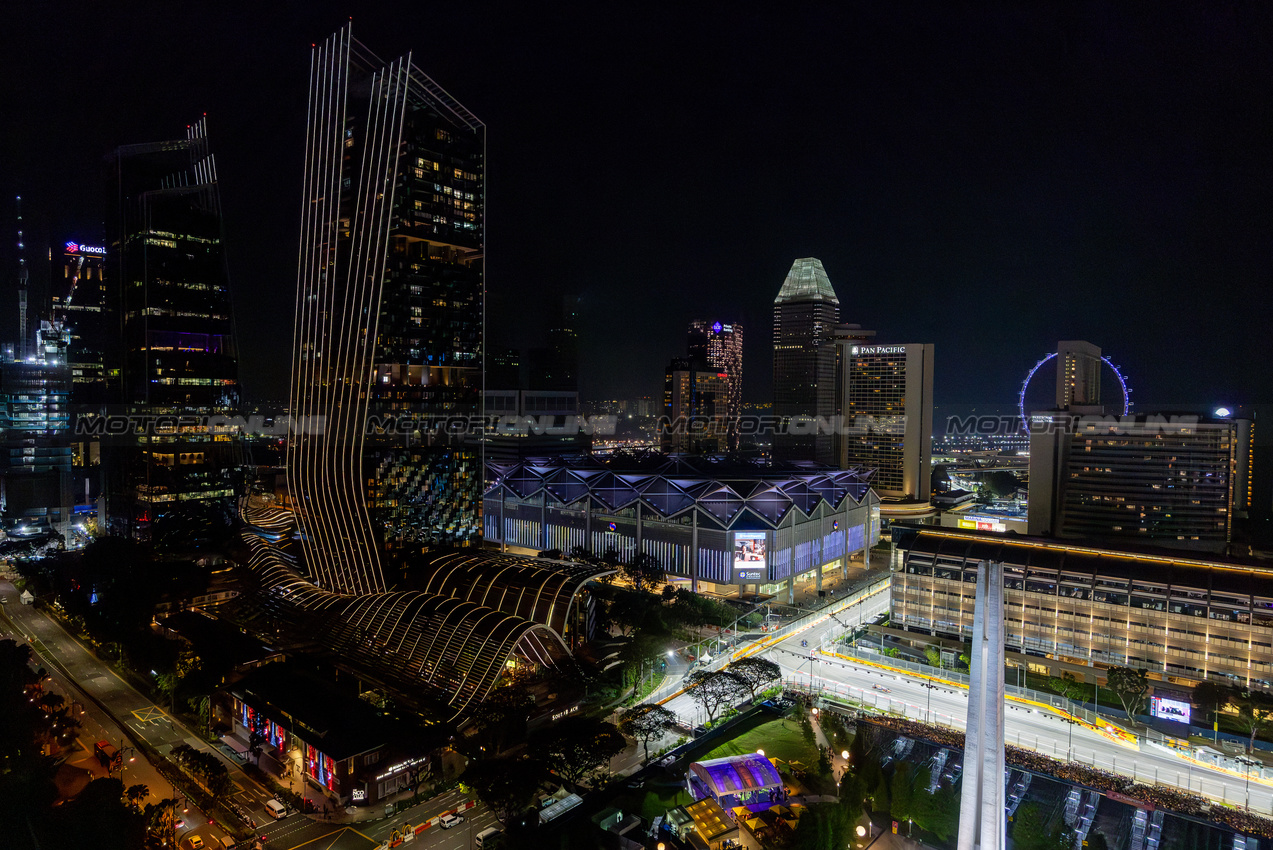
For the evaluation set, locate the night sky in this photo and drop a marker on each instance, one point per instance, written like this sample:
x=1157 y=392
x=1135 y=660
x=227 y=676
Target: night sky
x=990 y=178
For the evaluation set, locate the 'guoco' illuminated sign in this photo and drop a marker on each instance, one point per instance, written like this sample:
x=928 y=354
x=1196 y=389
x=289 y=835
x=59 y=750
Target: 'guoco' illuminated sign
x=77 y=248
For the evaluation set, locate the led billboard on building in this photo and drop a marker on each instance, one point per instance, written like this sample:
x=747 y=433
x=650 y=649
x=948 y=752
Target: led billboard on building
x=749 y=556
x=1170 y=709
x=979 y=523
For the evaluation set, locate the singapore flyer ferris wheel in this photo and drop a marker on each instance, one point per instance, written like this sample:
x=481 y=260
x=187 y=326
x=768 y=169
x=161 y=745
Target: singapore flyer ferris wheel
x=1122 y=385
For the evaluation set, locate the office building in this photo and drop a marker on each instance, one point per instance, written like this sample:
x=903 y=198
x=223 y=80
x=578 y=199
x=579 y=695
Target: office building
x=389 y=317
x=720 y=346
x=35 y=455
x=806 y=312
x=533 y=423
x=1157 y=480
x=695 y=408
x=503 y=369
x=82 y=305
x=718 y=524
x=174 y=350
x=886 y=400
x=555 y=367
x=1071 y=607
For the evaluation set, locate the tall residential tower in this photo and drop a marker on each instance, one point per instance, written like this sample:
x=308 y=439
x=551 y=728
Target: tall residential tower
x=389 y=317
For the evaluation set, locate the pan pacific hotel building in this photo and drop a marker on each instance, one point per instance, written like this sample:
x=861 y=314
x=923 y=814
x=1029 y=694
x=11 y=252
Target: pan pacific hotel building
x=718 y=525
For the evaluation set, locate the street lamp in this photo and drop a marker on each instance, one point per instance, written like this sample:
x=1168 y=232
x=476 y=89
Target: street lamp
x=1248 y=764
x=928 y=712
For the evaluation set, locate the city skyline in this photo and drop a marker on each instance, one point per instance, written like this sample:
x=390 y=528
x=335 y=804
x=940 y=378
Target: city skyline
x=1126 y=191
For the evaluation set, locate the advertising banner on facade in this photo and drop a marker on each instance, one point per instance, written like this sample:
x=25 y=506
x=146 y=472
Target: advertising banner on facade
x=749 y=556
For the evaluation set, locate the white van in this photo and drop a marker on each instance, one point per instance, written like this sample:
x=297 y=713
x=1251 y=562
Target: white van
x=486 y=835
x=276 y=809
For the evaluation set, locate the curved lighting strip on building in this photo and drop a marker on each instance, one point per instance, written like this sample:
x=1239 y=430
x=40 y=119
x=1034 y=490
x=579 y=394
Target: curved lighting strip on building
x=537 y=590
x=455 y=638
x=344 y=244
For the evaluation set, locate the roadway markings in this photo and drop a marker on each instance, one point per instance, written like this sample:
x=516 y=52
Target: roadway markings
x=149 y=715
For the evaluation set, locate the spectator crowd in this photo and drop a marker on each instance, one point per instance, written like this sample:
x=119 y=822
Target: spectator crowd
x=1158 y=796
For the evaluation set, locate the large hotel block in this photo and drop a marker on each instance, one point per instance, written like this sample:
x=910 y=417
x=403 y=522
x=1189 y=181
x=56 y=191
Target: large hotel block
x=886 y=398
x=389 y=316
x=701 y=519
x=1183 y=619
x=1173 y=481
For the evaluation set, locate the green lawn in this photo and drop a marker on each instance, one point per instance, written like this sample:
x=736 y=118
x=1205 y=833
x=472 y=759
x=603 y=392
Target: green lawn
x=654 y=799
x=778 y=738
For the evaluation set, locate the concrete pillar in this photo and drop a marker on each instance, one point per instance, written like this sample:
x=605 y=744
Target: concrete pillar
x=817 y=577
x=791 y=589
x=981 y=806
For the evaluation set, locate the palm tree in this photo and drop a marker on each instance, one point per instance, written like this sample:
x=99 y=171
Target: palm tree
x=137 y=793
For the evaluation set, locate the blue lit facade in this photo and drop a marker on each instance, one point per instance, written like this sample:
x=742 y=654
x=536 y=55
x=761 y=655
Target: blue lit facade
x=692 y=515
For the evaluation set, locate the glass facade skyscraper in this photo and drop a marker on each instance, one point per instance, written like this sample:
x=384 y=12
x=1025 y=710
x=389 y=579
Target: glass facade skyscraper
x=172 y=481
x=806 y=312
x=389 y=317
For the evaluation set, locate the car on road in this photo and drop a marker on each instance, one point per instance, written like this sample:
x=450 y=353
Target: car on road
x=448 y=821
x=196 y=843
x=881 y=689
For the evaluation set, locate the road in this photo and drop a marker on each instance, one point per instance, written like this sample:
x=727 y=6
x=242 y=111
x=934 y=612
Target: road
x=1030 y=727
x=79 y=673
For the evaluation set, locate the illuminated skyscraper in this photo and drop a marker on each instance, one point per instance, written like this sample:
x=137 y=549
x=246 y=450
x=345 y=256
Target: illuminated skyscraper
x=694 y=407
x=81 y=304
x=806 y=312
x=173 y=350
x=389 y=316
x=720 y=346
x=886 y=400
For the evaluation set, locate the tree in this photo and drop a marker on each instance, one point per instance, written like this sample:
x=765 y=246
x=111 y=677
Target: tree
x=642 y=651
x=713 y=691
x=1255 y=711
x=137 y=793
x=507 y=786
x=668 y=594
x=901 y=792
x=1210 y=697
x=644 y=572
x=755 y=672
x=1030 y=830
x=1067 y=685
x=574 y=746
x=501 y=718
x=933 y=654
x=646 y=723
x=1130 y=685
x=938 y=813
